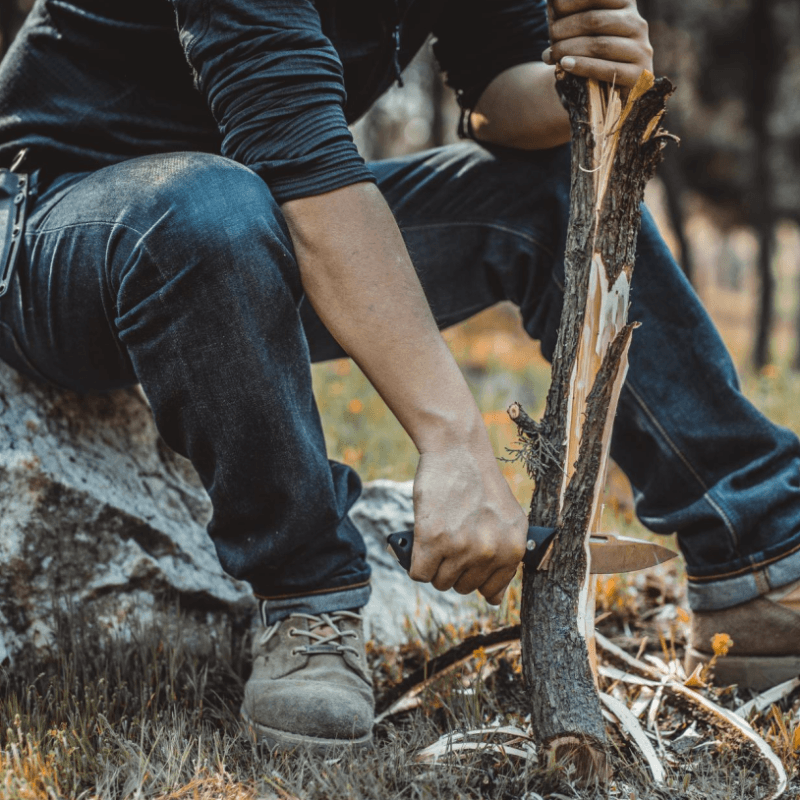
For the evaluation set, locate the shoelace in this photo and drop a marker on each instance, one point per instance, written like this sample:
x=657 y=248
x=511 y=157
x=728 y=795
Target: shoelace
x=320 y=643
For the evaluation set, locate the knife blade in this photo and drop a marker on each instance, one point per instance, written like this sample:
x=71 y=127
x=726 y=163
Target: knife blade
x=609 y=553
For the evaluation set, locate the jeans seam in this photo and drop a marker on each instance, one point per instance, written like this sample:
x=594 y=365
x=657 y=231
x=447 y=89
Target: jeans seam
x=748 y=570
x=676 y=450
x=471 y=224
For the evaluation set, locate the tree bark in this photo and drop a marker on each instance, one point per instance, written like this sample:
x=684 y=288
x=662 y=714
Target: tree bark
x=615 y=150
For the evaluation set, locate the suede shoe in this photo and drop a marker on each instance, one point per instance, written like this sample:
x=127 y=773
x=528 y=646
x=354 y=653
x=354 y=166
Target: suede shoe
x=310 y=684
x=766 y=640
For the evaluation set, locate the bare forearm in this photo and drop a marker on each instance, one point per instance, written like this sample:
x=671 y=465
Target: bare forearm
x=520 y=108
x=357 y=274
x=606 y=40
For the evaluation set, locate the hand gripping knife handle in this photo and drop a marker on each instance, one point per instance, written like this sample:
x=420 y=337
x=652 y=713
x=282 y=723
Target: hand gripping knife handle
x=402 y=543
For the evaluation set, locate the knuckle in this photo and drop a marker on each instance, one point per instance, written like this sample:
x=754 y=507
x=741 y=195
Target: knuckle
x=593 y=22
x=603 y=48
x=487 y=551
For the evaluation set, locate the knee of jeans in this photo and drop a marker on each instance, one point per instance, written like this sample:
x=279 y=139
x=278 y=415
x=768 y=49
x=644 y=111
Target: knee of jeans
x=211 y=216
x=535 y=186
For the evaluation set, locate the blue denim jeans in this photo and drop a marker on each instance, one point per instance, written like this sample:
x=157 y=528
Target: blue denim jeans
x=177 y=272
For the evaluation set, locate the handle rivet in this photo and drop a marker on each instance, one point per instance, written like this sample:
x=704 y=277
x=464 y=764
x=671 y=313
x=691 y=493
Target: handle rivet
x=531 y=545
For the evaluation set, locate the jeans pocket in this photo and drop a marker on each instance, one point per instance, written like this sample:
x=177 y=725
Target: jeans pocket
x=11 y=353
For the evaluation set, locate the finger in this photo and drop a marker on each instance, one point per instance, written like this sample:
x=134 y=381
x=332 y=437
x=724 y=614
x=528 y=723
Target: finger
x=612 y=72
x=496 y=599
x=494 y=589
x=470 y=580
x=603 y=48
x=597 y=23
x=448 y=574
x=424 y=565
x=563 y=8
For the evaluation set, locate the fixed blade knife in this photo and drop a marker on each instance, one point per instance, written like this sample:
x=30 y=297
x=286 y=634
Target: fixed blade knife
x=609 y=553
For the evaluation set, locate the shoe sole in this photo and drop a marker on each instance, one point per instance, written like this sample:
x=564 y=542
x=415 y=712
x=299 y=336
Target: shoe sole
x=285 y=740
x=748 y=672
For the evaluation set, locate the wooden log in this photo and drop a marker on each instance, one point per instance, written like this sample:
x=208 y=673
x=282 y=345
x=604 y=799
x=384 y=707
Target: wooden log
x=616 y=146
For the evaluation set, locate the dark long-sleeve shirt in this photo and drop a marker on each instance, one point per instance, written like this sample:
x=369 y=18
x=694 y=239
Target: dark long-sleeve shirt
x=271 y=84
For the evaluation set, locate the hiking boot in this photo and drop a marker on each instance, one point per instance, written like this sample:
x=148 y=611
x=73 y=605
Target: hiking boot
x=766 y=640
x=310 y=683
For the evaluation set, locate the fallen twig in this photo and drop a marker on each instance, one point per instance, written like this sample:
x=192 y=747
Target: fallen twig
x=458 y=741
x=405 y=695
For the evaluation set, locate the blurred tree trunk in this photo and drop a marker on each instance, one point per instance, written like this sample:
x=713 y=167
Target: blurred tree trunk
x=437 y=103
x=672 y=171
x=674 y=188
x=796 y=360
x=764 y=60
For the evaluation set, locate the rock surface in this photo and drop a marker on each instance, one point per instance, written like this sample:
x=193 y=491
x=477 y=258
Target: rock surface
x=99 y=517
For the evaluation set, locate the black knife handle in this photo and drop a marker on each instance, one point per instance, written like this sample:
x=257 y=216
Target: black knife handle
x=538 y=541
x=402 y=544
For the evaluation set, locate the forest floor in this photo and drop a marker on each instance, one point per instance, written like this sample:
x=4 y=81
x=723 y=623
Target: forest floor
x=146 y=719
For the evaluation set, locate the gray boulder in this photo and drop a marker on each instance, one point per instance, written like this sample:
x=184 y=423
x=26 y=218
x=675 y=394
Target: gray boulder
x=98 y=517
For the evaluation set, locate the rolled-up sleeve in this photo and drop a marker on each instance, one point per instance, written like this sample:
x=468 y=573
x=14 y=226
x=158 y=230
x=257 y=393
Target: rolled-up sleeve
x=275 y=86
x=476 y=40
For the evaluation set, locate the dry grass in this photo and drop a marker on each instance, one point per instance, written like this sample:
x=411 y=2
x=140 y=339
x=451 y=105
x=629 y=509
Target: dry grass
x=146 y=719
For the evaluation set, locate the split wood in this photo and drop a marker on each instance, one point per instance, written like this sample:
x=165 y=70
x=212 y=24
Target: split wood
x=616 y=146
